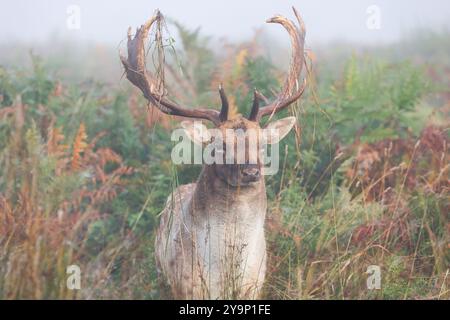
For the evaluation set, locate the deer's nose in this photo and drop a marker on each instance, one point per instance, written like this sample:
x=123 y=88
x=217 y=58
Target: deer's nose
x=251 y=172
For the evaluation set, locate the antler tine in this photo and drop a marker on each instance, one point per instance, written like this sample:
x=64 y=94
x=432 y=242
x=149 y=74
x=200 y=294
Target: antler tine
x=291 y=90
x=255 y=107
x=223 y=116
x=138 y=75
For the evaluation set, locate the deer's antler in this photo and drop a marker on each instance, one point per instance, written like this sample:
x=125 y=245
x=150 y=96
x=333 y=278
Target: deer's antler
x=153 y=90
x=291 y=90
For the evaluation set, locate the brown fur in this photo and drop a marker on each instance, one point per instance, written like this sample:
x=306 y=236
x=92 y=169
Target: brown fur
x=211 y=243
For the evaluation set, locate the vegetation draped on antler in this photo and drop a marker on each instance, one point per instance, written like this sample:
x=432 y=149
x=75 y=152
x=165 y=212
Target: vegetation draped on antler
x=156 y=94
x=291 y=90
x=138 y=74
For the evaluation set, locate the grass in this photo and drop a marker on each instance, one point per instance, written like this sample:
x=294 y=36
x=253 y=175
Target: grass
x=85 y=170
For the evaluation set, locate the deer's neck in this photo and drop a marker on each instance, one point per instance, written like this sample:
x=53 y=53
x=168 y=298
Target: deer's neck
x=213 y=197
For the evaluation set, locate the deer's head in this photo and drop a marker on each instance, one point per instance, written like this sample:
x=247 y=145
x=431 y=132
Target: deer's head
x=235 y=170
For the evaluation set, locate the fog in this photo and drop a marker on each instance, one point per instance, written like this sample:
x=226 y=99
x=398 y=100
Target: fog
x=28 y=21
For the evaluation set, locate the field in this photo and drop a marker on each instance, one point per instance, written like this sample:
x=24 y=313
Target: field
x=85 y=168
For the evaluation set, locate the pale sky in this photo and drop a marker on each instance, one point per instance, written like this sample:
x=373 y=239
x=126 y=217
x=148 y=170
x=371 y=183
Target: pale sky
x=106 y=21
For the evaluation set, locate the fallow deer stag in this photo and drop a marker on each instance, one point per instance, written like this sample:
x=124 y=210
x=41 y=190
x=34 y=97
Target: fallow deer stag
x=211 y=242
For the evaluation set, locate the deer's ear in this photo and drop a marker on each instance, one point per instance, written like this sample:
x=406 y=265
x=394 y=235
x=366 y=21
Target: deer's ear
x=196 y=131
x=277 y=130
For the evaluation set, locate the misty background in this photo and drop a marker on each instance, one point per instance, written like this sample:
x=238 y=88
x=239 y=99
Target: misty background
x=327 y=20
x=46 y=28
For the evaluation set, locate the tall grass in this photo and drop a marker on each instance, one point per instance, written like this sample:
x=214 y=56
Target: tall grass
x=85 y=171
